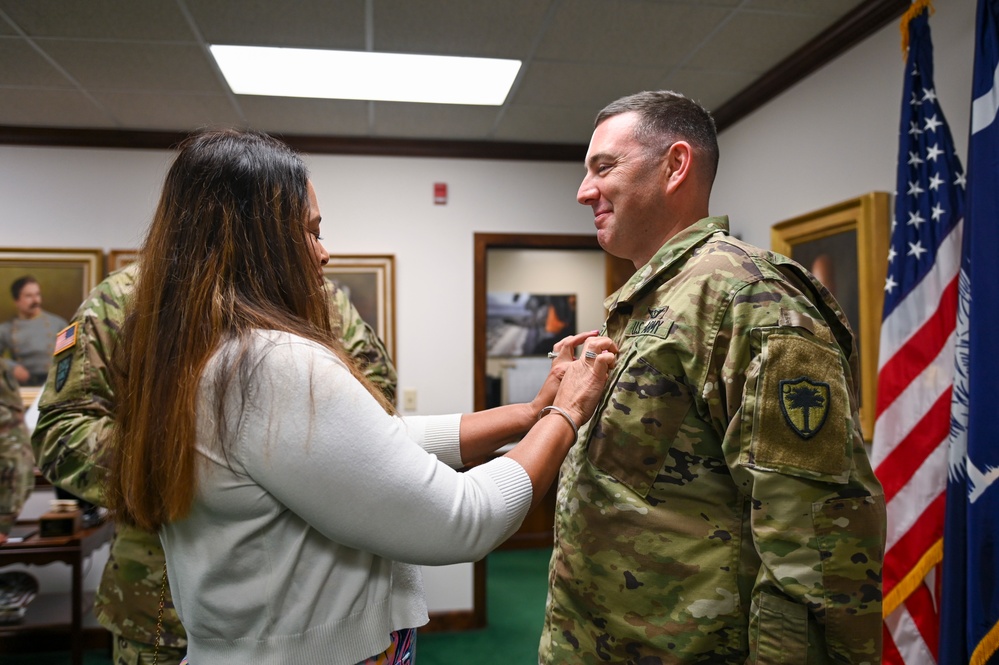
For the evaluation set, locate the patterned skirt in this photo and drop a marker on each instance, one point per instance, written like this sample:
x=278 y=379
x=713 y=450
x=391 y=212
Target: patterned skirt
x=402 y=651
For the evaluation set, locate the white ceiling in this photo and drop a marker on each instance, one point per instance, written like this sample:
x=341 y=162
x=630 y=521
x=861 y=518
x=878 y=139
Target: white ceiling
x=144 y=65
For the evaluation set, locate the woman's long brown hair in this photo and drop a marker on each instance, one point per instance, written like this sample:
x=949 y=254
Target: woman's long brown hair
x=226 y=254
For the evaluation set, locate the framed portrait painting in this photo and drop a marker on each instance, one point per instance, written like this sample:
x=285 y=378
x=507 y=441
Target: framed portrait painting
x=369 y=281
x=64 y=278
x=845 y=246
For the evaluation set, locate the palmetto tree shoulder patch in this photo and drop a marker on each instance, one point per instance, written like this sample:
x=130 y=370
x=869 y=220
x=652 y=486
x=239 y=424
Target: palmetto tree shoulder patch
x=805 y=405
x=802 y=420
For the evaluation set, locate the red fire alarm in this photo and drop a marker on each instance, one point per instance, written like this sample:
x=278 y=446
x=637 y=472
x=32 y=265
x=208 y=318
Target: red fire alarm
x=440 y=193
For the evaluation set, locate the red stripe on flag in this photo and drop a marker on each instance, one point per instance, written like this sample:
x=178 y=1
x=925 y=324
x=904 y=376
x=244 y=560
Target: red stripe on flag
x=908 y=362
x=923 y=611
x=916 y=542
x=889 y=652
x=905 y=459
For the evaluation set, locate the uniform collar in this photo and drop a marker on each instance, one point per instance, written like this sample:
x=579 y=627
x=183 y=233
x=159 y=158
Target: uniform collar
x=674 y=249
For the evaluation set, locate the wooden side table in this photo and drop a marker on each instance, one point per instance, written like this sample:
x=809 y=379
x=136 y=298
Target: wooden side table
x=72 y=550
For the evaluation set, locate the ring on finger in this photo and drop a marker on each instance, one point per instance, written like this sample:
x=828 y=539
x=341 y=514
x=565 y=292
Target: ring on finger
x=552 y=354
x=590 y=355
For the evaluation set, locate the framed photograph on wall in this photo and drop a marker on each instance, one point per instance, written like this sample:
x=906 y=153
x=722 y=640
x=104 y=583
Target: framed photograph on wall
x=369 y=280
x=64 y=277
x=846 y=247
x=527 y=324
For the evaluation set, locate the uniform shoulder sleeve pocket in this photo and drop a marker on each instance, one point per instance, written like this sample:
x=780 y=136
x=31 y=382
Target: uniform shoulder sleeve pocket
x=802 y=419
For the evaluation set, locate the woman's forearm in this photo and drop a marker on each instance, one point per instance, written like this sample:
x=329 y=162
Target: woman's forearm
x=483 y=432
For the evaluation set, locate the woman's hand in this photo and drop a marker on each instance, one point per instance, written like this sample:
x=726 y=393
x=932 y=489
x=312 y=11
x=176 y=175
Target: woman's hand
x=562 y=355
x=485 y=431
x=584 y=380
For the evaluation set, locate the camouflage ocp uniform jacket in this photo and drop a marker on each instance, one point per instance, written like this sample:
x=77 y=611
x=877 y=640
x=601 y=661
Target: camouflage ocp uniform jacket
x=71 y=442
x=17 y=465
x=720 y=506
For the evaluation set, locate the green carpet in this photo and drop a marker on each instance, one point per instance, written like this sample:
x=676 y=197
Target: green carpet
x=516 y=588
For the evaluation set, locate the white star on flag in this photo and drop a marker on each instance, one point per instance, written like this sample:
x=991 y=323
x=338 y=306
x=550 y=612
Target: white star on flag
x=916 y=249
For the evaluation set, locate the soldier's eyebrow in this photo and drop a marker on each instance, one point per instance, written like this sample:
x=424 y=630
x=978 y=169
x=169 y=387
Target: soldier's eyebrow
x=596 y=158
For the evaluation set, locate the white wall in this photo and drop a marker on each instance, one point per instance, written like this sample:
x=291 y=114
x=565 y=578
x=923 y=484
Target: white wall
x=834 y=136
x=829 y=138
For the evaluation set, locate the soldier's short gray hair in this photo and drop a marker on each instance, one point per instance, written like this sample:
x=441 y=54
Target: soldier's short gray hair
x=666 y=117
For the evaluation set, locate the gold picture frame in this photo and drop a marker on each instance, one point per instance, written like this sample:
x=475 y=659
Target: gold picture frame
x=369 y=280
x=846 y=247
x=119 y=258
x=66 y=277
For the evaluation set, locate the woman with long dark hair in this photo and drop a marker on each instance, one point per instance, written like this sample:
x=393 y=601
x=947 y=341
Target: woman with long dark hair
x=291 y=500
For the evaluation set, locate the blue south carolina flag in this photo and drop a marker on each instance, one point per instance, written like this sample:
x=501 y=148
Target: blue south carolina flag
x=969 y=630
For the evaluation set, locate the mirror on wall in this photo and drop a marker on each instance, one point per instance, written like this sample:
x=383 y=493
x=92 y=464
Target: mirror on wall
x=530 y=291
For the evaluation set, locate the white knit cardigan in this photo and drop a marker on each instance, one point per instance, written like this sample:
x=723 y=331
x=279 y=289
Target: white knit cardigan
x=309 y=516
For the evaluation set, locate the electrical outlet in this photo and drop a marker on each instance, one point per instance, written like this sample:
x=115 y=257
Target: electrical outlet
x=409 y=399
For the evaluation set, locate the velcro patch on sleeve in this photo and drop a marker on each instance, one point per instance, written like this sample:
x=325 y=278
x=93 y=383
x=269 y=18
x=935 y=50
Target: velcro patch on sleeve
x=66 y=339
x=803 y=423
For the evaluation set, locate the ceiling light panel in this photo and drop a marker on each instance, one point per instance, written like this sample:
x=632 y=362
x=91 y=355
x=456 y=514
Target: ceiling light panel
x=394 y=77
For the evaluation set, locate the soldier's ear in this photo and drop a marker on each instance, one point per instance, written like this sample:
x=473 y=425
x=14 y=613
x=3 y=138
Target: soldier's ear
x=677 y=165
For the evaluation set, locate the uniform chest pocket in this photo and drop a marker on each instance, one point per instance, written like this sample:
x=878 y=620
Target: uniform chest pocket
x=638 y=423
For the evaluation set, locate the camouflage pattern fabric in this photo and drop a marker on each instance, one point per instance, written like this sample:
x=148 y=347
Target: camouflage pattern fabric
x=130 y=652
x=17 y=465
x=71 y=438
x=720 y=506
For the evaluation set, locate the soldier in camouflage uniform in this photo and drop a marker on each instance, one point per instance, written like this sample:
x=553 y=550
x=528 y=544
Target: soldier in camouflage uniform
x=75 y=414
x=720 y=506
x=17 y=466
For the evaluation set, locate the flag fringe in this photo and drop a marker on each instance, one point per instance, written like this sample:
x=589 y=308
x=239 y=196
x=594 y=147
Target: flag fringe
x=913 y=579
x=986 y=648
x=912 y=12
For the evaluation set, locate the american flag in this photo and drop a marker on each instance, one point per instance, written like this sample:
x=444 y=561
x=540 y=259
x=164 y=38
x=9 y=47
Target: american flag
x=916 y=358
x=65 y=339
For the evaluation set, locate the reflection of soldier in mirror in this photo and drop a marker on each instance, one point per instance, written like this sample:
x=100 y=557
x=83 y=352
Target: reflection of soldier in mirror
x=26 y=341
